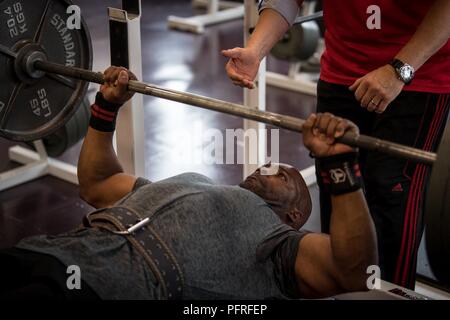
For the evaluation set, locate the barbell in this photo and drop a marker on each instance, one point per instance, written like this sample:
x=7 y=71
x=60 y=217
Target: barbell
x=36 y=62
x=48 y=66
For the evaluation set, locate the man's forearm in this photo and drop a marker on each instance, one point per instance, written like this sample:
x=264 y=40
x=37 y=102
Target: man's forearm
x=432 y=34
x=101 y=177
x=98 y=160
x=270 y=28
x=353 y=238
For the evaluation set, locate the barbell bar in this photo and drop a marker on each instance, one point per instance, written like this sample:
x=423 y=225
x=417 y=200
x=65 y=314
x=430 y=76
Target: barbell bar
x=275 y=119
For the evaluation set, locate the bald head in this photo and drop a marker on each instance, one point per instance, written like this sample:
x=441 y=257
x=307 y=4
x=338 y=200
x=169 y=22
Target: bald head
x=283 y=188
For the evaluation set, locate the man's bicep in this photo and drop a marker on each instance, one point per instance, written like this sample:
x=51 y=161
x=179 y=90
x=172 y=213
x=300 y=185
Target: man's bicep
x=315 y=269
x=111 y=190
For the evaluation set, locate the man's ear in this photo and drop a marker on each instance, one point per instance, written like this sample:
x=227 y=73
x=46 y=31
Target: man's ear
x=296 y=217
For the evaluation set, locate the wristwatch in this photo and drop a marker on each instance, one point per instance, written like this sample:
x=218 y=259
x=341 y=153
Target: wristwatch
x=404 y=71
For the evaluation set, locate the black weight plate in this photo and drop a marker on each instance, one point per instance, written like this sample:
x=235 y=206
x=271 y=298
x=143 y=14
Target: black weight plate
x=437 y=213
x=7 y=84
x=299 y=43
x=41 y=107
x=19 y=20
x=72 y=127
x=73 y=131
x=36 y=104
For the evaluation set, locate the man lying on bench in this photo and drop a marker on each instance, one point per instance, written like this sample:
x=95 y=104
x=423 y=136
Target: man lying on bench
x=198 y=239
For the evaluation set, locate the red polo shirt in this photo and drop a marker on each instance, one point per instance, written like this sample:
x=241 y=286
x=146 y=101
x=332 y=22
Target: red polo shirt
x=353 y=50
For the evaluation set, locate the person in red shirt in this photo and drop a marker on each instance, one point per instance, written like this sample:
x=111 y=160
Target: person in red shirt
x=386 y=67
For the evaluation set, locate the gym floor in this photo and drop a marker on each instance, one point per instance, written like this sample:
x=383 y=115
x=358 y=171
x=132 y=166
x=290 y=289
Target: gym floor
x=173 y=59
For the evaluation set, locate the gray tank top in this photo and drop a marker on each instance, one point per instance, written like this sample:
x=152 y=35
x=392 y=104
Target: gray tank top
x=222 y=236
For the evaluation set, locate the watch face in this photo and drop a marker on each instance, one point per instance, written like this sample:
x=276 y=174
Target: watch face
x=406 y=72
